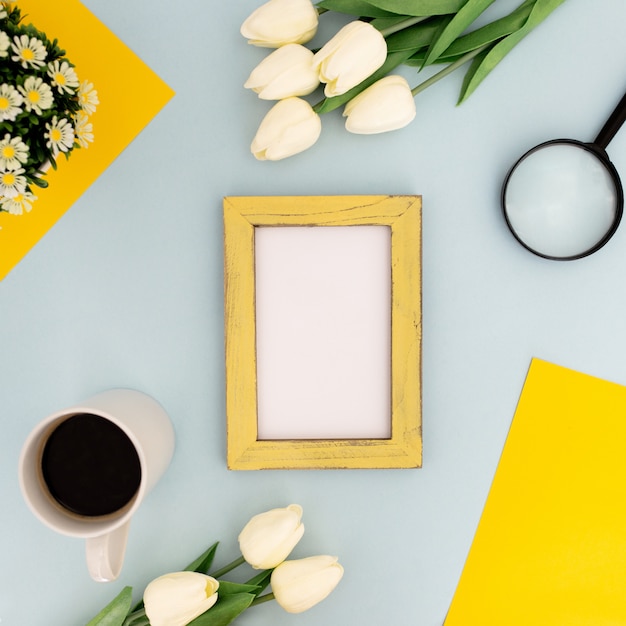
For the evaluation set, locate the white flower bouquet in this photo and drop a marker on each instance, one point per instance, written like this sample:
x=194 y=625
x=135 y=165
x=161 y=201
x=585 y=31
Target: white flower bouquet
x=355 y=65
x=44 y=109
x=194 y=597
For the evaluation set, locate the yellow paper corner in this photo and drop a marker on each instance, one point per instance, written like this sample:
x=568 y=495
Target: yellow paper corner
x=550 y=547
x=122 y=81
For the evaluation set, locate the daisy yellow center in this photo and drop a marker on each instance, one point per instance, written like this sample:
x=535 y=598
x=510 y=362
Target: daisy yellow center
x=55 y=134
x=4 y=103
x=8 y=152
x=33 y=96
x=28 y=54
x=8 y=179
x=59 y=79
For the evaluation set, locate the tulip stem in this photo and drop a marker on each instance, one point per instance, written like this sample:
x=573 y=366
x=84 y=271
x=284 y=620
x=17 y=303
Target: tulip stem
x=138 y=618
x=448 y=70
x=261 y=599
x=229 y=567
x=410 y=21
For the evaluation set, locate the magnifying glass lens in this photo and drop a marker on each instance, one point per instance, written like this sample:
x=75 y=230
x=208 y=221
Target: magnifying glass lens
x=561 y=200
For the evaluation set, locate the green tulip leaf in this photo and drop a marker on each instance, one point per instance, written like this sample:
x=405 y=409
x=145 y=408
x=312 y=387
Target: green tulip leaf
x=261 y=577
x=359 y=8
x=114 y=613
x=416 y=37
x=417 y=60
x=442 y=27
x=225 y=610
x=261 y=580
x=490 y=32
x=471 y=72
x=393 y=60
x=480 y=37
x=456 y=25
x=484 y=63
x=419 y=7
x=203 y=563
x=228 y=589
x=389 y=23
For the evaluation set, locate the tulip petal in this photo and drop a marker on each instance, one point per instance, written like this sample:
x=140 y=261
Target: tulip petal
x=178 y=598
x=300 y=584
x=292 y=141
x=352 y=55
x=284 y=73
x=279 y=22
x=289 y=127
x=268 y=538
x=386 y=105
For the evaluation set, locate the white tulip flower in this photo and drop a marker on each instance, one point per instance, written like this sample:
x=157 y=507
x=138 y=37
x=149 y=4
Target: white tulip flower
x=386 y=105
x=279 y=22
x=268 y=538
x=352 y=55
x=300 y=584
x=178 y=598
x=286 y=72
x=289 y=127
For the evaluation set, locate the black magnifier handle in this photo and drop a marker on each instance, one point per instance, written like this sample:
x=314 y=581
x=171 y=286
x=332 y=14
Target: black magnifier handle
x=613 y=124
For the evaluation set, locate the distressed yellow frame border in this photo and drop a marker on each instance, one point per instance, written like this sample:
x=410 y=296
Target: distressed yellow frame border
x=241 y=216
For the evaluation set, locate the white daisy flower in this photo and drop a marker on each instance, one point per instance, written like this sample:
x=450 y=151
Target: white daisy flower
x=10 y=102
x=3 y=13
x=63 y=76
x=13 y=153
x=37 y=94
x=12 y=183
x=5 y=43
x=83 y=129
x=88 y=97
x=60 y=135
x=19 y=203
x=29 y=51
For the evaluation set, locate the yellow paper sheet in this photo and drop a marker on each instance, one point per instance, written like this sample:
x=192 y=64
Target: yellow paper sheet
x=130 y=95
x=550 y=548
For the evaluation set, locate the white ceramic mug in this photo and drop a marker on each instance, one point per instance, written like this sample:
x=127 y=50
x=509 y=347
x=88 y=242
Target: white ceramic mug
x=150 y=430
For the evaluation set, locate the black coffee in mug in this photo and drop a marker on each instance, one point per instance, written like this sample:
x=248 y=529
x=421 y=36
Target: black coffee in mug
x=90 y=466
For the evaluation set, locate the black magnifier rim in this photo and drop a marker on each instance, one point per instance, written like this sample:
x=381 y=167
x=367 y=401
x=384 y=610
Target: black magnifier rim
x=601 y=155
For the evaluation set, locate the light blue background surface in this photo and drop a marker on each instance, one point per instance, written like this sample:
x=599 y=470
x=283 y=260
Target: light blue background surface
x=126 y=290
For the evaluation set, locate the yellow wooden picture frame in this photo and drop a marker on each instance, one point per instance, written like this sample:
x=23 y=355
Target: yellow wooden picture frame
x=402 y=214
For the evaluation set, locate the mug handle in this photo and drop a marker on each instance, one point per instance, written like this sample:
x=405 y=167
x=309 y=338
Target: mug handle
x=105 y=553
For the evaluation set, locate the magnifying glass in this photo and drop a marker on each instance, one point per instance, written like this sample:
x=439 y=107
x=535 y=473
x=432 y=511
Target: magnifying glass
x=563 y=199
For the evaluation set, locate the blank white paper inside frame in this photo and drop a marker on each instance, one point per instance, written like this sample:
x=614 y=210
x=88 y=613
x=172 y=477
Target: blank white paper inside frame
x=323 y=327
